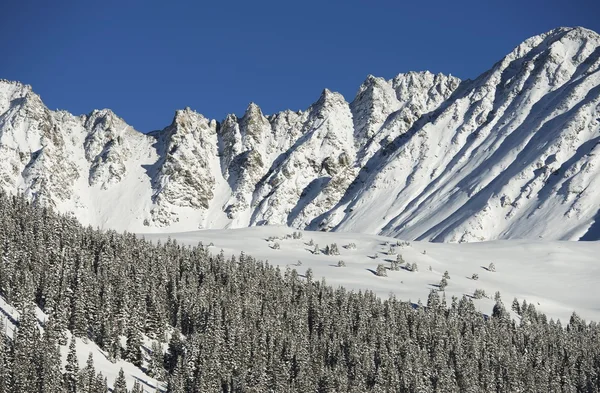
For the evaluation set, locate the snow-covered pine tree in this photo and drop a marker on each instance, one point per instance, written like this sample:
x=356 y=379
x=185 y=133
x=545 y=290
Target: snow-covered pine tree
x=25 y=351
x=71 y=368
x=5 y=364
x=87 y=376
x=133 y=352
x=137 y=388
x=156 y=362
x=120 y=385
x=49 y=364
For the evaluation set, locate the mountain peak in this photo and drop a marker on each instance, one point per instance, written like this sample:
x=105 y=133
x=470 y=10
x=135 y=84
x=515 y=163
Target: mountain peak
x=512 y=154
x=329 y=98
x=253 y=110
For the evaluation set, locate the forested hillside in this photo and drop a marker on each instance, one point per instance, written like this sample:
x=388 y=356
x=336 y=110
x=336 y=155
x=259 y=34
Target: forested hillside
x=234 y=324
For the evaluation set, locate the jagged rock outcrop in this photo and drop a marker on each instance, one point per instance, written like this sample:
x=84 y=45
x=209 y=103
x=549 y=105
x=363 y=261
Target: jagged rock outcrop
x=511 y=154
x=186 y=170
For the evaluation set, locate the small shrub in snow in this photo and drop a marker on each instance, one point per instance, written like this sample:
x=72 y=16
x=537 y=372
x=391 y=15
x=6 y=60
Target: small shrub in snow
x=311 y=242
x=395 y=265
x=424 y=252
x=492 y=267
x=479 y=294
x=275 y=246
x=297 y=235
x=391 y=251
x=341 y=263
x=443 y=284
x=350 y=246
x=475 y=276
x=414 y=267
x=446 y=275
x=497 y=297
x=211 y=244
x=402 y=244
x=299 y=263
x=332 y=249
x=430 y=268
x=381 y=270
x=316 y=250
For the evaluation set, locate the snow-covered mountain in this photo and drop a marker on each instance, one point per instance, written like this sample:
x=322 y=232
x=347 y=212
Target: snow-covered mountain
x=511 y=154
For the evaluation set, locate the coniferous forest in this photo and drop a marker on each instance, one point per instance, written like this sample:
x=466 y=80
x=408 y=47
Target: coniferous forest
x=235 y=324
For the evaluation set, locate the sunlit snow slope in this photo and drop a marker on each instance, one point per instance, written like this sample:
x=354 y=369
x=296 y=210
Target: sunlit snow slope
x=558 y=277
x=510 y=155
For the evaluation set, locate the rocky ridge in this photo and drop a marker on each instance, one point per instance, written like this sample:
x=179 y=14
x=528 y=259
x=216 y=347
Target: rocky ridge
x=511 y=154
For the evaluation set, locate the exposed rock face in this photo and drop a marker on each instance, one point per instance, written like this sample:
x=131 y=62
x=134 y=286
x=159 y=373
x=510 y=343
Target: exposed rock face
x=512 y=154
x=186 y=174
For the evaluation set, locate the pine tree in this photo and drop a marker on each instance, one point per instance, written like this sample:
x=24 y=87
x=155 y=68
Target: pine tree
x=71 y=368
x=174 y=352
x=87 y=376
x=516 y=307
x=137 y=388
x=26 y=345
x=443 y=284
x=100 y=384
x=156 y=362
x=395 y=265
x=120 y=385
x=5 y=366
x=49 y=372
x=133 y=353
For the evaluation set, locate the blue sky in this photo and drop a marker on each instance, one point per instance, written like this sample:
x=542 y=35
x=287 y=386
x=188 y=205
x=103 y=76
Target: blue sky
x=145 y=59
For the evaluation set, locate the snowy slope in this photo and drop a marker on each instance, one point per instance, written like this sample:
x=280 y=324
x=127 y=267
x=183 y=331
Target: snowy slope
x=511 y=154
x=557 y=277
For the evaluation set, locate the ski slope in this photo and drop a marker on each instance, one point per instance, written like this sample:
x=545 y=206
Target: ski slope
x=558 y=277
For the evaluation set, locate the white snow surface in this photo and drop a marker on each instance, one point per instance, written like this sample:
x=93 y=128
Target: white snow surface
x=558 y=277
x=512 y=154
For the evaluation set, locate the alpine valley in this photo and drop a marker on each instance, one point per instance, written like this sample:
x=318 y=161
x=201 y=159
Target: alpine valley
x=511 y=154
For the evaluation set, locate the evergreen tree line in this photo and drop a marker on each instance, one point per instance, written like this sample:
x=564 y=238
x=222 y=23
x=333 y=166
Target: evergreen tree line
x=240 y=325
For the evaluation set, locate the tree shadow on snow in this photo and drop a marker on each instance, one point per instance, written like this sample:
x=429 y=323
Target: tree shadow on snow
x=148 y=384
x=372 y=271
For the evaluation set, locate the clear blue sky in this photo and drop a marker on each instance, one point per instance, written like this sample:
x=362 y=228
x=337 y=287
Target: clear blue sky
x=145 y=59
